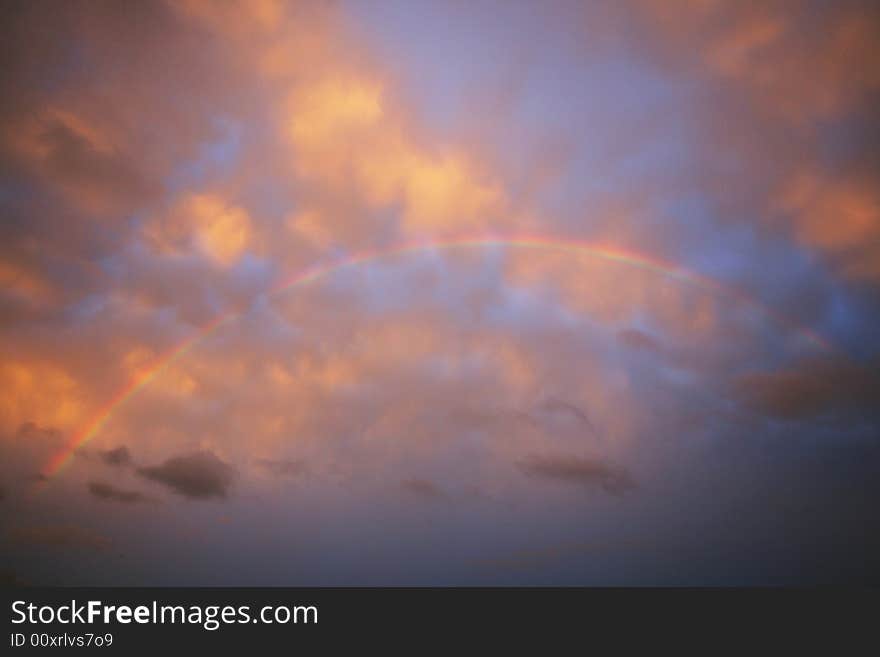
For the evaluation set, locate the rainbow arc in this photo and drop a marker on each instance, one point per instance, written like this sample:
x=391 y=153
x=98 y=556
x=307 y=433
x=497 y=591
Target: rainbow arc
x=581 y=249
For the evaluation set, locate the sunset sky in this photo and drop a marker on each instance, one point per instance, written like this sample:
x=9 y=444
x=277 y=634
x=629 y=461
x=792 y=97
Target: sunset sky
x=411 y=292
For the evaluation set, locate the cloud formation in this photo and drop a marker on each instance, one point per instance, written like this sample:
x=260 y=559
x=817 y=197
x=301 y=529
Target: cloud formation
x=422 y=488
x=118 y=456
x=588 y=472
x=104 y=491
x=812 y=389
x=199 y=475
x=226 y=265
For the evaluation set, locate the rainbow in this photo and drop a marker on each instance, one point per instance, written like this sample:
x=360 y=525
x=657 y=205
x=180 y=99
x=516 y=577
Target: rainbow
x=581 y=249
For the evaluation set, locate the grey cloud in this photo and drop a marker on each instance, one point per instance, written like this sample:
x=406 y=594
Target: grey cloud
x=575 y=470
x=71 y=159
x=33 y=432
x=638 y=340
x=119 y=456
x=812 y=389
x=422 y=488
x=199 y=475
x=110 y=493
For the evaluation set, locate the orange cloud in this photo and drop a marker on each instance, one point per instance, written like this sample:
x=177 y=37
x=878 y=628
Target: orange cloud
x=244 y=18
x=800 y=65
x=78 y=156
x=38 y=392
x=25 y=283
x=204 y=222
x=342 y=133
x=840 y=217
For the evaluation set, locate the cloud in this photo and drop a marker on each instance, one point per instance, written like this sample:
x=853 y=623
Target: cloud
x=556 y=411
x=639 y=340
x=199 y=475
x=29 y=383
x=23 y=453
x=110 y=493
x=62 y=536
x=72 y=153
x=118 y=456
x=171 y=162
x=575 y=470
x=203 y=223
x=32 y=432
x=798 y=64
x=284 y=467
x=22 y=280
x=839 y=215
x=422 y=488
x=811 y=389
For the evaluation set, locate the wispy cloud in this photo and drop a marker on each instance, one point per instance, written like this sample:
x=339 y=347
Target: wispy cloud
x=588 y=472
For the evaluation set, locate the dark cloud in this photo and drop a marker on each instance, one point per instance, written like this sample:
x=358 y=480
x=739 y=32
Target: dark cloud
x=31 y=431
x=422 y=488
x=110 y=493
x=588 y=472
x=64 y=536
x=199 y=475
x=71 y=159
x=119 y=456
x=636 y=339
x=813 y=389
x=283 y=467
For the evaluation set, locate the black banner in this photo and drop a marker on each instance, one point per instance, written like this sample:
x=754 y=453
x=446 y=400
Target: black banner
x=153 y=619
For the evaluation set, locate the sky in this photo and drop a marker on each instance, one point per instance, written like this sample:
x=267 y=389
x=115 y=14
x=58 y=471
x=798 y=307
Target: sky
x=439 y=293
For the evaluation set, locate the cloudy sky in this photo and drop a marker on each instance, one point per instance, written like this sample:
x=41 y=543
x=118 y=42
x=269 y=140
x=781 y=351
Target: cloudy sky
x=411 y=292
